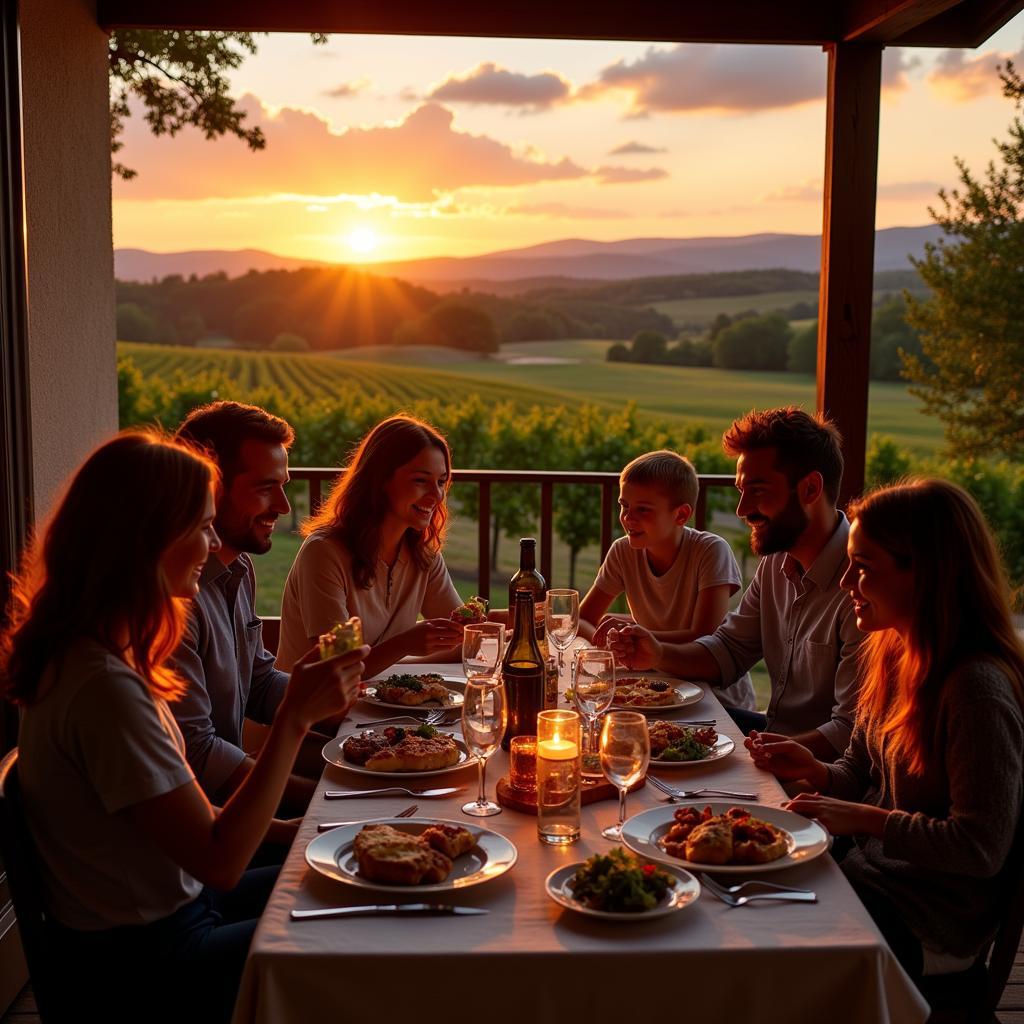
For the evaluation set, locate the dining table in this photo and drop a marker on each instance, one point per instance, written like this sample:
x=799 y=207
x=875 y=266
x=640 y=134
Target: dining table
x=529 y=960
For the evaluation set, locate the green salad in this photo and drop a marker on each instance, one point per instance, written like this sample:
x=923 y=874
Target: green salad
x=689 y=748
x=620 y=883
x=411 y=682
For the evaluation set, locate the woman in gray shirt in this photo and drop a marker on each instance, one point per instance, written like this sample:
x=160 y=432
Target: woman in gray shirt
x=930 y=788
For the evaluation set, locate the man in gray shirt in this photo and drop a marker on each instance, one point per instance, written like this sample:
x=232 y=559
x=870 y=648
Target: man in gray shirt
x=794 y=615
x=231 y=675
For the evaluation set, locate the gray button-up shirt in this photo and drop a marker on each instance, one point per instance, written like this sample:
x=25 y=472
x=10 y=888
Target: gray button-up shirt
x=804 y=627
x=230 y=674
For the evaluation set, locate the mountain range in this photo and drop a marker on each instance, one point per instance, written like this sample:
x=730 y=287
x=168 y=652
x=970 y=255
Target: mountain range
x=570 y=260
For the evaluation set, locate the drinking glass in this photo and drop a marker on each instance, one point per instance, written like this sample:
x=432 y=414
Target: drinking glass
x=593 y=690
x=625 y=753
x=562 y=620
x=483 y=644
x=484 y=715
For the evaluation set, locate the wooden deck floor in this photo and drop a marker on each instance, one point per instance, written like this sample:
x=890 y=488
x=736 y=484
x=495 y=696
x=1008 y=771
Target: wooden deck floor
x=1011 y=1009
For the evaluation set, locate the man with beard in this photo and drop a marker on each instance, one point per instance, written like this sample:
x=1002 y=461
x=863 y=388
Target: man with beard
x=230 y=673
x=788 y=469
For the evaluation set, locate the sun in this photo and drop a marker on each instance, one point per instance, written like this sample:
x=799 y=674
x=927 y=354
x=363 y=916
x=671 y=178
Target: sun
x=362 y=240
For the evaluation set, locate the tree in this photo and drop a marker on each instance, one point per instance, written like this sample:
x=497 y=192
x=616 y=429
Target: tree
x=802 y=356
x=971 y=374
x=891 y=338
x=181 y=79
x=754 y=343
x=135 y=323
x=649 y=347
x=286 y=341
x=617 y=353
x=457 y=324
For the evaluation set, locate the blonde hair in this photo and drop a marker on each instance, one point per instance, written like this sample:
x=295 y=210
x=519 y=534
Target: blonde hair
x=669 y=471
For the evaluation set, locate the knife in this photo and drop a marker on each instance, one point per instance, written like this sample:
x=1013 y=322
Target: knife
x=385 y=908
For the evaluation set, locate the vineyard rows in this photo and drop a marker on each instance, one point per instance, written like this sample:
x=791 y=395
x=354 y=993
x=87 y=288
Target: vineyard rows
x=313 y=377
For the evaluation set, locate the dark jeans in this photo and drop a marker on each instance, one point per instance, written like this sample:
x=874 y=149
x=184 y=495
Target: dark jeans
x=184 y=967
x=747 y=720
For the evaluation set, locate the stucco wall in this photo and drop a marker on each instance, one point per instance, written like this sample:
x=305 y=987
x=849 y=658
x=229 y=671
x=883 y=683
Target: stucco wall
x=72 y=355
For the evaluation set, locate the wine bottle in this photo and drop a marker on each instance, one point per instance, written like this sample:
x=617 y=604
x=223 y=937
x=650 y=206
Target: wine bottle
x=529 y=579
x=522 y=670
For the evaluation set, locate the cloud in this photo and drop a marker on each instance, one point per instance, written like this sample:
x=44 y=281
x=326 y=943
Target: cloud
x=629 y=148
x=347 y=89
x=415 y=159
x=811 y=192
x=491 y=84
x=964 y=79
x=901 y=191
x=628 y=175
x=563 y=211
x=732 y=79
x=806 y=192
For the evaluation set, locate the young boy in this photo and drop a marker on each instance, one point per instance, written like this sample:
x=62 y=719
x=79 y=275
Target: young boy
x=677 y=580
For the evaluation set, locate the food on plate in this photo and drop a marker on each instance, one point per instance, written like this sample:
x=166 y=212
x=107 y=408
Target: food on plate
x=618 y=882
x=736 y=837
x=412 y=689
x=342 y=638
x=673 y=742
x=402 y=750
x=641 y=692
x=385 y=854
x=452 y=840
x=473 y=610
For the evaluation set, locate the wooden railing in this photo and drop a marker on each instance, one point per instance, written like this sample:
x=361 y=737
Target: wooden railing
x=547 y=481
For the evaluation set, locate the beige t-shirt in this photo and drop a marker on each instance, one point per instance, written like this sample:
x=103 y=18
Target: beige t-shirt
x=95 y=744
x=668 y=602
x=321 y=591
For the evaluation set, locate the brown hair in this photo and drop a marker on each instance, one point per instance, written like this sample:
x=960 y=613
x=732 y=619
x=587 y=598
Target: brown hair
x=95 y=570
x=962 y=610
x=358 y=504
x=803 y=443
x=669 y=471
x=221 y=428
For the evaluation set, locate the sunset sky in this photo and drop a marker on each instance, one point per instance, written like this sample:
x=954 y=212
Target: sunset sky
x=391 y=148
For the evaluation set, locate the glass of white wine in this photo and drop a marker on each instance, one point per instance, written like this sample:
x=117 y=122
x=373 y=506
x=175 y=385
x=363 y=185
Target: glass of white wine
x=593 y=690
x=625 y=754
x=484 y=716
x=562 y=620
x=483 y=644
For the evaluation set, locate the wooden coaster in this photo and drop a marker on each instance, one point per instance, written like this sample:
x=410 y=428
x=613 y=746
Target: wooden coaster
x=592 y=791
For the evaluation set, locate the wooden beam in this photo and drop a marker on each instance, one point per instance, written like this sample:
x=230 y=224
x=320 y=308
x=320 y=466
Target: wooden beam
x=811 y=22
x=883 y=20
x=848 y=248
x=968 y=24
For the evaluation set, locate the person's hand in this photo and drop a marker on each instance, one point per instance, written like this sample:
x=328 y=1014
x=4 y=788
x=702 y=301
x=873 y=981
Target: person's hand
x=783 y=757
x=635 y=647
x=609 y=622
x=840 y=817
x=431 y=635
x=319 y=689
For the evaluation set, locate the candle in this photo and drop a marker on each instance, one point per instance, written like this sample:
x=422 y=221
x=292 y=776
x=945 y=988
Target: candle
x=557 y=749
x=558 y=777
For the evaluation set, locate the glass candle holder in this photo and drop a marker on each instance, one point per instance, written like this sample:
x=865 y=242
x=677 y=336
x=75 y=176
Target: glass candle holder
x=523 y=764
x=558 y=777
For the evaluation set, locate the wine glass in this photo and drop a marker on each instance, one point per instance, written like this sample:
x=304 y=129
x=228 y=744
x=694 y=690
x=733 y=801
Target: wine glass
x=483 y=644
x=593 y=690
x=625 y=754
x=484 y=716
x=562 y=619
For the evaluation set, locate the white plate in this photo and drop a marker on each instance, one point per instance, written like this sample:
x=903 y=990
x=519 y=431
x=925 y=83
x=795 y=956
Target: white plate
x=330 y=854
x=684 y=891
x=333 y=755
x=723 y=748
x=686 y=693
x=456 y=685
x=807 y=839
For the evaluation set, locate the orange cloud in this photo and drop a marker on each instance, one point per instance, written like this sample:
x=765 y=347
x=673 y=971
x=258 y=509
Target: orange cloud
x=965 y=79
x=628 y=175
x=414 y=159
x=563 y=211
x=489 y=83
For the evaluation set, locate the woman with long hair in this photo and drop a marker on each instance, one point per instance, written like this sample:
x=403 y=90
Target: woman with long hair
x=930 y=788
x=145 y=884
x=374 y=550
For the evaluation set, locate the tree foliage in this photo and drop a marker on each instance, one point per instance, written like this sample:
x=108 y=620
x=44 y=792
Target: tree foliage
x=971 y=373
x=756 y=343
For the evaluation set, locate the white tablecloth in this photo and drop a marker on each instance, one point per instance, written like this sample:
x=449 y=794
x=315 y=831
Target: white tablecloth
x=530 y=961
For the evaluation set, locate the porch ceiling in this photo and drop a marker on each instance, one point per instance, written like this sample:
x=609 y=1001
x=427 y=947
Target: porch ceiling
x=948 y=23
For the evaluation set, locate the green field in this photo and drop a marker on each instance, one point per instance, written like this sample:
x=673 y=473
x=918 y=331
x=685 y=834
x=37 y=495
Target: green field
x=694 y=395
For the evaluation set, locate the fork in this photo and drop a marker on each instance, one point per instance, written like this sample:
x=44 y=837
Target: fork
x=731 y=900
x=342 y=794
x=439 y=716
x=738 y=890
x=689 y=794
x=325 y=826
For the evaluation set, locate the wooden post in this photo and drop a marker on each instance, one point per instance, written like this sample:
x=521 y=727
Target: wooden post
x=848 y=248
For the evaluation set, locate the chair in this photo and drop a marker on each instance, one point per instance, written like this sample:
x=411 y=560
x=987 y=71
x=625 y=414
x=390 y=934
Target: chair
x=21 y=864
x=972 y=996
